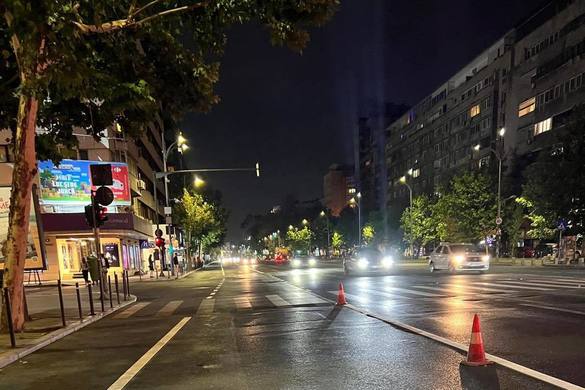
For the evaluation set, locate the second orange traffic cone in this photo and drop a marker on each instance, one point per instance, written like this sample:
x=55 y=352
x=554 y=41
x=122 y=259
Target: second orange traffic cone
x=341 y=295
x=476 y=353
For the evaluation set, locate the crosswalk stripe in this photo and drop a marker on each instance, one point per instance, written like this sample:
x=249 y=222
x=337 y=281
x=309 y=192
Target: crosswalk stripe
x=543 y=284
x=205 y=307
x=168 y=309
x=132 y=310
x=465 y=287
x=445 y=290
x=403 y=290
x=561 y=281
x=276 y=300
x=242 y=303
x=510 y=284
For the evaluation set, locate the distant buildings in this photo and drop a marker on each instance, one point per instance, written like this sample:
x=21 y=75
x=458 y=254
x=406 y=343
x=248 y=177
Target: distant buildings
x=338 y=188
x=513 y=99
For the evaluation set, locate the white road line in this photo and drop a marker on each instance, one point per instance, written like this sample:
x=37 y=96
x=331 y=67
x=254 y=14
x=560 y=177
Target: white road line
x=464 y=287
x=276 y=300
x=126 y=377
x=205 y=307
x=242 y=303
x=446 y=290
x=554 y=308
x=168 y=309
x=567 y=280
x=510 y=285
x=402 y=290
x=132 y=310
x=547 y=281
x=543 y=284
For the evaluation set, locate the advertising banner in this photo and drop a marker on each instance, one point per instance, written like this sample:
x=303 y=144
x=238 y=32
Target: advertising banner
x=34 y=258
x=69 y=184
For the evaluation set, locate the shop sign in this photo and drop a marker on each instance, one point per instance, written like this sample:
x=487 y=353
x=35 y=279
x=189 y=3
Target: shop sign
x=144 y=244
x=70 y=183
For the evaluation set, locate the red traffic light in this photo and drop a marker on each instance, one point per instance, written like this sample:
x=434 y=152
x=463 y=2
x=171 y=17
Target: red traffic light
x=159 y=241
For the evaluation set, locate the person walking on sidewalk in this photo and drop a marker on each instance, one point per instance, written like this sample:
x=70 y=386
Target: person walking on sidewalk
x=150 y=265
x=85 y=269
x=176 y=265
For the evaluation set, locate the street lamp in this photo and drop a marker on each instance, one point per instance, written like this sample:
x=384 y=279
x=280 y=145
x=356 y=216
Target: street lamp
x=402 y=181
x=198 y=182
x=305 y=222
x=324 y=214
x=499 y=156
x=358 y=204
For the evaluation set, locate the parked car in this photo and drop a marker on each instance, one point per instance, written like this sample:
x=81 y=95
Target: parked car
x=459 y=257
x=303 y=262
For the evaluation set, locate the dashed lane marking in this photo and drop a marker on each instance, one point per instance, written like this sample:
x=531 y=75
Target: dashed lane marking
x=276 y=300
x=168 y=309
x=132 y=310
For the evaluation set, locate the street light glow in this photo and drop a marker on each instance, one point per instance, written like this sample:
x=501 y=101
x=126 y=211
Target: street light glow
x=181 y=140
x=403 y=179
x=322 y=213
x=409 y=172
x=502 y=132
x=359 y=195
x=183 y=147
x=199 y=182
x=304 y=221
x=476 y=147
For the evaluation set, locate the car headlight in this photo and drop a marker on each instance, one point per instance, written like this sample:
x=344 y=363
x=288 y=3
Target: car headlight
x=459 y=259
x=296 y=263
x=485 y=257
x=363 y=263
x=312 y=262
x=387 y=262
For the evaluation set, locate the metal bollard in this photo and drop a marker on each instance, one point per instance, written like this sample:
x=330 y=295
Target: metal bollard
x=78 y=301
x=110 y=291
x=117 y=291
x=91 y=310
x=61 y=302
x=9 y=315
x=123 y=285
x=102 y=294
x=128 y=284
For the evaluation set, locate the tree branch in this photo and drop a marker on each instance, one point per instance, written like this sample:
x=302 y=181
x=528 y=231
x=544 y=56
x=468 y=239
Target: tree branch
x=130 y=22
x=133 y=13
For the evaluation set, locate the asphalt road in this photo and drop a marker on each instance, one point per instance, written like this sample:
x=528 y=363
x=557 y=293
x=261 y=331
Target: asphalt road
x=258 y=328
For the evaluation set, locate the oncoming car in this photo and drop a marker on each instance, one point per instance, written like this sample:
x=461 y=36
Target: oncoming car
x=303 y=262
x=368 y=260
x=459 y=257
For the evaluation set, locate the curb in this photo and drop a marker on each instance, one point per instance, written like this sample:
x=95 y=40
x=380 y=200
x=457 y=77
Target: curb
x=165 y=279
x=61 y=333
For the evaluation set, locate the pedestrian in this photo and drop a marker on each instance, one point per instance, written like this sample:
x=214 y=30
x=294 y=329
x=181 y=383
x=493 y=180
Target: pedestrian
x=85 y=269
x=151 y=266
x=176 y=265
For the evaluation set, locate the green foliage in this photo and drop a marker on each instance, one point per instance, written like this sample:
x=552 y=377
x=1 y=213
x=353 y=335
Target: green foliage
x=555 y=182
x=368 y=234
x=417 y=222
x=540 y=226
x=337 y=241
x=299 y=239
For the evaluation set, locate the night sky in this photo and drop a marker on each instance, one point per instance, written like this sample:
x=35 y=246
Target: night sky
x=296 y=113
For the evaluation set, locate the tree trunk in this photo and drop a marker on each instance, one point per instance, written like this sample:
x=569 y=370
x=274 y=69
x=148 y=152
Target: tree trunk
x=25 y=170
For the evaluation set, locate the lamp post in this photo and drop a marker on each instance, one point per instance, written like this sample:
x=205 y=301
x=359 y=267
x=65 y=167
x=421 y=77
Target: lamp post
x=498 y=155
x=358 y=204
x=324 y=214
x=403 y=181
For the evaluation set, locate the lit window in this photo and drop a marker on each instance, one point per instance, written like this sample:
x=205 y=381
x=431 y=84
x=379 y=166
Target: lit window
x=543 y=126
x=475 y=110
x=527 y=106
x=416 y=172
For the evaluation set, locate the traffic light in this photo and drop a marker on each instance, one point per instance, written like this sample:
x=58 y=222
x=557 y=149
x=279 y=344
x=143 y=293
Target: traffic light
x=96 y=211
x=159 y=241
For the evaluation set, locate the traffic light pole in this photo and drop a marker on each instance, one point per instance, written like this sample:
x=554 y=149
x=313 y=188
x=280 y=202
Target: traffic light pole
x=96 y=235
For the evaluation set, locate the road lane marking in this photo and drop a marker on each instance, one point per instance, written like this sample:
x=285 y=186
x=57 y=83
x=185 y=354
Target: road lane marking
x=205 y=307
x=555 y=282
x=242 y=303
x=276 y=300
x=464 y=287
x=553 y=308
x=511 y=285
x=126 y=377
x=543 y=284
x=446 y=290
x=168 y=309
x=403 y=290
x=132 y=310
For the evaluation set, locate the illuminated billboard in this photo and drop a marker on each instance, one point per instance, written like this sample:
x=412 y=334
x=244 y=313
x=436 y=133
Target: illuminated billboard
x=69 y=183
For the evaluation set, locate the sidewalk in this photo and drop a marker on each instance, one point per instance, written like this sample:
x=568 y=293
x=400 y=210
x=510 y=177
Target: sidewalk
x=46 y=325
x=157 y=278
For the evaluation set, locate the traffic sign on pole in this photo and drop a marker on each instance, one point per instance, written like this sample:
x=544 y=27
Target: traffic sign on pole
x=498 y=220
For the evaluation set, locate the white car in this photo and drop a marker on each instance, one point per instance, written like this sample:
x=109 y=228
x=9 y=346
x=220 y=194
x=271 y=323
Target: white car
x=459 y=257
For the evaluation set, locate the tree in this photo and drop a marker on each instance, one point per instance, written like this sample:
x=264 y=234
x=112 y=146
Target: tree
x=337 y=241
x=90 y=64
x=467 y=210
x=417 y=222
x=368 y=234
x=299 y=239
x=197 y=217
x=555 y=182
x=540 y=226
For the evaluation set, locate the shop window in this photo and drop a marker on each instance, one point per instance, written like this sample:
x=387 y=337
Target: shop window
x=542 y=126
x=416 y=172
x=474 y=111
x=526 y=107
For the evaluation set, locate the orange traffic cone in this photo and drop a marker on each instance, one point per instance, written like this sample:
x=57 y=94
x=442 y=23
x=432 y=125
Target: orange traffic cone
x=341 y=295
x=476 y=353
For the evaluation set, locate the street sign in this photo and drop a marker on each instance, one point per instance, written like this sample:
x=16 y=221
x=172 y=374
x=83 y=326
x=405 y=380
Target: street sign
x=498 y=220
x=101 y=174
x=104 y=196
x=168 y=220
x=168 y=210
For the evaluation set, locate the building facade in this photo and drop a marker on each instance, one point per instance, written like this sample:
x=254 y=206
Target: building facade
x=338 y=188
x=506 y=104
